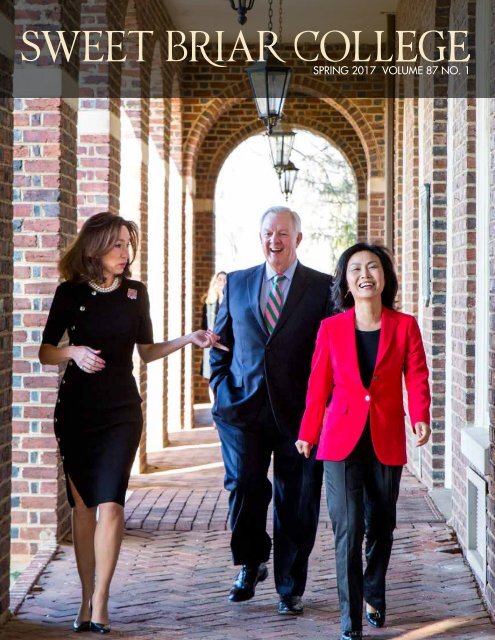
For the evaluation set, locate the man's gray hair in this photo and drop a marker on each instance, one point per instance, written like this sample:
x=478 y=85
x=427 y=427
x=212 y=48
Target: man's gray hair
x=273 y=211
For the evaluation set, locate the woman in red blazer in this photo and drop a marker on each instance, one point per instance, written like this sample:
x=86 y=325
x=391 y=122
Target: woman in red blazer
x=360 y=360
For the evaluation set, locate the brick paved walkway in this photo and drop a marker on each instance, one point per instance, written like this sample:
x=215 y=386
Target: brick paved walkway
x=174 y=572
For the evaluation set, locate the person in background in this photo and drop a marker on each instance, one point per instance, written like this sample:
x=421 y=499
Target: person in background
x=269 y=319
x=98 y=419
x=211 y=303
x=361 y=358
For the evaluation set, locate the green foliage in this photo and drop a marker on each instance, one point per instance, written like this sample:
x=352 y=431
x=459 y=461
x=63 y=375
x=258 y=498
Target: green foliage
x=326 y=196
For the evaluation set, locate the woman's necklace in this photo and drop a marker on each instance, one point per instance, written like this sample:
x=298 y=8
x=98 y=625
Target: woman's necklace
x=100 y=289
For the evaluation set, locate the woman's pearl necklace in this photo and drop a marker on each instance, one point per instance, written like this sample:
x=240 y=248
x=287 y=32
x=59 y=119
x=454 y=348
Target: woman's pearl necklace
x=112 y=287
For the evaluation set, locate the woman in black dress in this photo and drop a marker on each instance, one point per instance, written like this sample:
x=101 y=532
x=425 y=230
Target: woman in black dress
x=98 y=419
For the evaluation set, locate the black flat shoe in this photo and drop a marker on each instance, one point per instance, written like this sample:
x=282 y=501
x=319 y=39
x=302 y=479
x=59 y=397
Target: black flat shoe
x=375 y=619
x=246 y=581
x=352 y=635
x=98 y=627
x=79 y=627
x=291 y=606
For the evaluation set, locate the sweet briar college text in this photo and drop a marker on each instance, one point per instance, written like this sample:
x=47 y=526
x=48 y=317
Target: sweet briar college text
x=196 y=46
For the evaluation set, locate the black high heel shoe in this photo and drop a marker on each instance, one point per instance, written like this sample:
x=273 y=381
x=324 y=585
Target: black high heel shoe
x=80 y=627
x=98 y=627
x=375 y=618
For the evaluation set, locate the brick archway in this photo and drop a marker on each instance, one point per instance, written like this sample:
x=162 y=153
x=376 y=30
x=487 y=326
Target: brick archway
x=239 y=121
x=361 y=114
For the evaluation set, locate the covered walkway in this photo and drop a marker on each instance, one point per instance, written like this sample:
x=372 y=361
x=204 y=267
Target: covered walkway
x=174 y=572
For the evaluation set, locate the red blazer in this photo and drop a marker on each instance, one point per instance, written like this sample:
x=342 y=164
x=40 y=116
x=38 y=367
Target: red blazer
x=335 y=371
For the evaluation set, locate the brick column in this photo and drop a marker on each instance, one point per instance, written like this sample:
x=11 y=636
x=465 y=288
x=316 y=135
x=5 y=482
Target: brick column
x=98 y=126
x=44 y=221
x=175 y=234
x=6 y=272
x=376 y=210
x=158 y=176
x=134 y=206
x=204 y=243
x=98 y=150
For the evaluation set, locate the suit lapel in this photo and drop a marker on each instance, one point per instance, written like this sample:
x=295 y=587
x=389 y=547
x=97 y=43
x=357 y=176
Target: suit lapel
x=348 y=342
x=298 y=286
x=386 y=334
x=254 y=289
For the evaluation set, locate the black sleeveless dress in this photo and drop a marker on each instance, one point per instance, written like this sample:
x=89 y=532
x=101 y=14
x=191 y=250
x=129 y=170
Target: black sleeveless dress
x=98 y=419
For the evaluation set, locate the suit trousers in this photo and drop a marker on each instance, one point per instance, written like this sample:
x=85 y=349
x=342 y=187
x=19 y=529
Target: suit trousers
x=296 y=500
x=362 y=496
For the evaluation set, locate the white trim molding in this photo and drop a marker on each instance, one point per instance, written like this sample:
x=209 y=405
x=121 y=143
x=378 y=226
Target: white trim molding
x=475 y=445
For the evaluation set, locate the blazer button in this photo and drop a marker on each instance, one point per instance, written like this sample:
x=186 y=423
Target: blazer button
x=82 y=308
x=367 y=398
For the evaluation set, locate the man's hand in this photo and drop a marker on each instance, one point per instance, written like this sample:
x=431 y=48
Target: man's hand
x=304 y=447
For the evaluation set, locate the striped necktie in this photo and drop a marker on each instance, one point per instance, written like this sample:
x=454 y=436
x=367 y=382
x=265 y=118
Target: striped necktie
x=274 y=304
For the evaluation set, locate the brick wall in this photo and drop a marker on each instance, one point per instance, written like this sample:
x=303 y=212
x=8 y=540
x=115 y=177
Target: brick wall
x=463 y=281
x=44 y=222
x=6 y=272
x=426 y=165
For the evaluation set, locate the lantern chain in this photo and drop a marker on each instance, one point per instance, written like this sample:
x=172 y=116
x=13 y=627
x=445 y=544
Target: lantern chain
x=280 y=21
x=270 y=15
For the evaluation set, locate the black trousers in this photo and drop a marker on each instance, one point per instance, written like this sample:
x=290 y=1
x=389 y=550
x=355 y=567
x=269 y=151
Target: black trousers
x=362 y=496
x=296 y=501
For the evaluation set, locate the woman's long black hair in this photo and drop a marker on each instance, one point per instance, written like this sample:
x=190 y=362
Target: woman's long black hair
x=342 y=299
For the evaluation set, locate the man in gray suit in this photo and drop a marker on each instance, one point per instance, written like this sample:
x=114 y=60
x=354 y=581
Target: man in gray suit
x=269 y=319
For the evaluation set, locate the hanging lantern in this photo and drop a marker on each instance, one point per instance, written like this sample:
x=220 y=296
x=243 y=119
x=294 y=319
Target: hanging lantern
x=287 y=179
x=269 y=80
x=281 y=141
x=242 y=7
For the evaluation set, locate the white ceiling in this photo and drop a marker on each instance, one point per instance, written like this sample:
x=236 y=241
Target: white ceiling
x=298 y=15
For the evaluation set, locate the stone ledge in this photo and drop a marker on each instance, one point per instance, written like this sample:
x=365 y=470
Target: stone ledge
x=475 y=445
x=29 y=577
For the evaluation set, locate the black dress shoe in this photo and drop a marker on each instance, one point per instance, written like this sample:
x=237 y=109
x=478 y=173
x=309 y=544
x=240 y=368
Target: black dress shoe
x=352 y=635
x=246 y=581
x=291 y=605
x=376 y=619
x=79 y=627
x=98 y=627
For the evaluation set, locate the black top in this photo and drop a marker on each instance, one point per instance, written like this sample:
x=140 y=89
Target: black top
x=367 y=350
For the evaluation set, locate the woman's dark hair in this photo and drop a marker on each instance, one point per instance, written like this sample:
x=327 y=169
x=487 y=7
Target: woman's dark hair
x=81 y=261
x=342 y=299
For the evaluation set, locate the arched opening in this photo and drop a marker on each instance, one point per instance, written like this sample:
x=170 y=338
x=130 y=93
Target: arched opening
x=325 y=195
